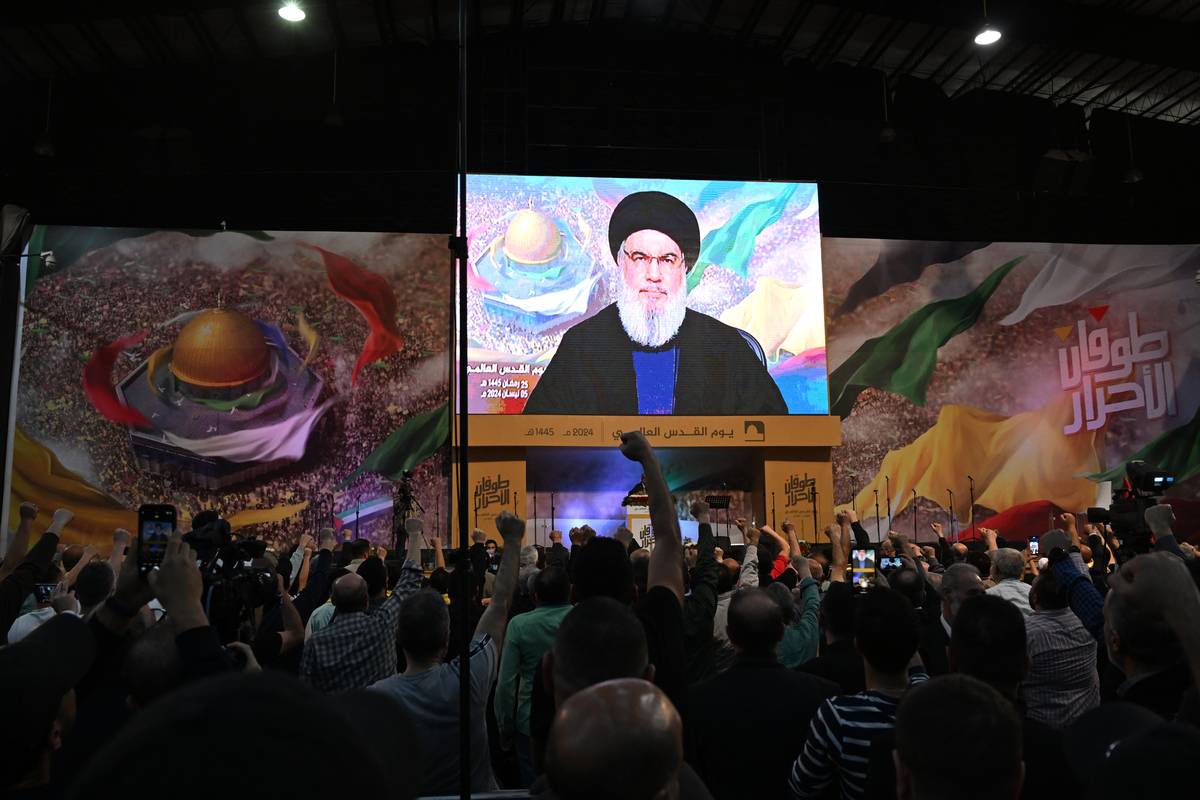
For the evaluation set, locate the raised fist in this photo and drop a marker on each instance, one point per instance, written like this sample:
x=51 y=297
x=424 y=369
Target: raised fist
x=511 y=527
x=635 y=447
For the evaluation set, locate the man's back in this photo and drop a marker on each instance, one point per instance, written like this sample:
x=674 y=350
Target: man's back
x=353 y=651
x=431 y=700
x=839 y=741
x=839 y=662
x=1014 y=591
x=527 y=639
x=1062 y=682
x=745 y=726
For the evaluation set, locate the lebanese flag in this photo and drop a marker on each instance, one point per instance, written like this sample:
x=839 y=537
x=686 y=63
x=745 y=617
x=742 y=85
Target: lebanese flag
x=372 y=296
x=98 y=387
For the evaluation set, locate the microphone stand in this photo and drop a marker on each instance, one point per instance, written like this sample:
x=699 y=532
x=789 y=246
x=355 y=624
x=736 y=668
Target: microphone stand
x=816 y=525
x=887 y=484
x=535 y=518
x=951 y=515
x=971 y=484
x=772 y=509
x=914 y=516
x=552 y=511
x=878 y=532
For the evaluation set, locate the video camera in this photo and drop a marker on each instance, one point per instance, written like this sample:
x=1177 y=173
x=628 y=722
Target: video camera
x=234 y=585
x=1138 y=491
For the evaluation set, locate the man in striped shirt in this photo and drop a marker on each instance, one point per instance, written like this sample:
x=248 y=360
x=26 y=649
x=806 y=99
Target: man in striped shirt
x=840 y=736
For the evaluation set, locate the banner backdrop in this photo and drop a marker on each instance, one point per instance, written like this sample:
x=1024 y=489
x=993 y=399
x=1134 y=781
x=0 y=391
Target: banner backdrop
x=1032 y=372
x=273 y=376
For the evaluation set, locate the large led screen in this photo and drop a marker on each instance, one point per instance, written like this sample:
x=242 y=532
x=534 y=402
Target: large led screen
x=637 y=296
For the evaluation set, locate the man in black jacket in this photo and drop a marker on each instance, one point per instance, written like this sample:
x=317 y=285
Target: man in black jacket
x=959 y=582
x=648 y=353
x=722 y=737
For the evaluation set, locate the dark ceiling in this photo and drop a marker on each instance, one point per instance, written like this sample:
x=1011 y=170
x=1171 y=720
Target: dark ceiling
x=196 y=111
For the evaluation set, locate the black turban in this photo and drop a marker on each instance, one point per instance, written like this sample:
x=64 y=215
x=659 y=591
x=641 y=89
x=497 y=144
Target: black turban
x=655 y=211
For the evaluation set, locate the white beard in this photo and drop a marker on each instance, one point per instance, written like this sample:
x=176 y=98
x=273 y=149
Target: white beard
x=650 y=327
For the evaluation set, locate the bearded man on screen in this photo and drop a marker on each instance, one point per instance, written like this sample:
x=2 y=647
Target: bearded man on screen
x=648 y=353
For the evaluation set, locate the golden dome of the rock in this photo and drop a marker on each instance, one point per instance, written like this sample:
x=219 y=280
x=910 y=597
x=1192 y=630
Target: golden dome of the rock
x=532 y=238
x=219 y=347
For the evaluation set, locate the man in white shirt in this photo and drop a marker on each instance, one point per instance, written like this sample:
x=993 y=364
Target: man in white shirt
x=1008 y=571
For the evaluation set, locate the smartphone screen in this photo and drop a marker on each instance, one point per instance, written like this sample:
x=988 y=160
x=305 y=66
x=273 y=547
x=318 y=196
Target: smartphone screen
x=1033 y=546
x=156 y=523
x=42 y=592
x=890 y=562
x=863 y=562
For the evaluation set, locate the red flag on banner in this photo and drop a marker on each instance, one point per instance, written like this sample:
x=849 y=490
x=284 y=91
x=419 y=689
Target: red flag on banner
x=98 y=387
x=373 y=298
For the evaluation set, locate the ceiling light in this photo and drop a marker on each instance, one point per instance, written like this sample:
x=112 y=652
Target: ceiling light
x=988 y=35
x=291 y=11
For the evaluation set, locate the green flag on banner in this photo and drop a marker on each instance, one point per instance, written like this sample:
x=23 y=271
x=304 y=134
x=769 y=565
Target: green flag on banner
x=903 y=359
x=1176 y=450
x=410 y=444
x=732 y=244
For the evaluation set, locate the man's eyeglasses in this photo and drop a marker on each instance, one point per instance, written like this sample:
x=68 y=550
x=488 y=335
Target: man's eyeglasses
x=668 y=260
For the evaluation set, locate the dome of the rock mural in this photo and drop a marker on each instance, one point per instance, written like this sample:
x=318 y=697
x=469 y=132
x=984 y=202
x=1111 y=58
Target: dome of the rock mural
x=220 y=347
x=532 y=238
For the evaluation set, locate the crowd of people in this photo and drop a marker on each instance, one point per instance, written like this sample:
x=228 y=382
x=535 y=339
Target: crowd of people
x=601 y=669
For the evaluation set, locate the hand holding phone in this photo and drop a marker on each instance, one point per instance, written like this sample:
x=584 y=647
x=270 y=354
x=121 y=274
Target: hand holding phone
x=1033 y=546
x=156 y=523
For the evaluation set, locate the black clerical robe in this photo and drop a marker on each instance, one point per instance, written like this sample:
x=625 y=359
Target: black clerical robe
x=718 y=371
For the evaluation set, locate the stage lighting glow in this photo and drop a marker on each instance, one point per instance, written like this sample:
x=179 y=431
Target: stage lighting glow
x=988 y=35
x=292 y=12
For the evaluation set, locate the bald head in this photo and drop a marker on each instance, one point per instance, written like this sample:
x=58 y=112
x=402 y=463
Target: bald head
x=350 y=593
x=627 y=722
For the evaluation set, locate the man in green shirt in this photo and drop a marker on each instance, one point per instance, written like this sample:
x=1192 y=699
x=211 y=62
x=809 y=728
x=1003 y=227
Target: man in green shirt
x=530 y=636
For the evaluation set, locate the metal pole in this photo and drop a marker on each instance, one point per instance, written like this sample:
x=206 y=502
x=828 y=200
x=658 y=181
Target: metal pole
x=951 y=515
x=887 y=484
x=816 y=523
x=878 y=530
x=971 y=484
x=773 y=510
x=465 y=594
x=914 y=516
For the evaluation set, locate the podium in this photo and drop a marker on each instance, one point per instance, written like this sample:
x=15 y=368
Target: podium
x=792 y=457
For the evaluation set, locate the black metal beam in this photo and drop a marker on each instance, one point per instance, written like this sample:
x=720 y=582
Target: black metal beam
x=339 y=33
x=927 y=44
x=710 y=19
x=239 y=17
x=885 y=40
x=1050 y=74
x=794 y=24
x=207 y=44
x=751 y=21
x=1172 y=98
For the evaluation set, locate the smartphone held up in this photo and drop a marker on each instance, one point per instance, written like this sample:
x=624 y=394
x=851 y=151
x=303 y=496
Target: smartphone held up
x=156 y=523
